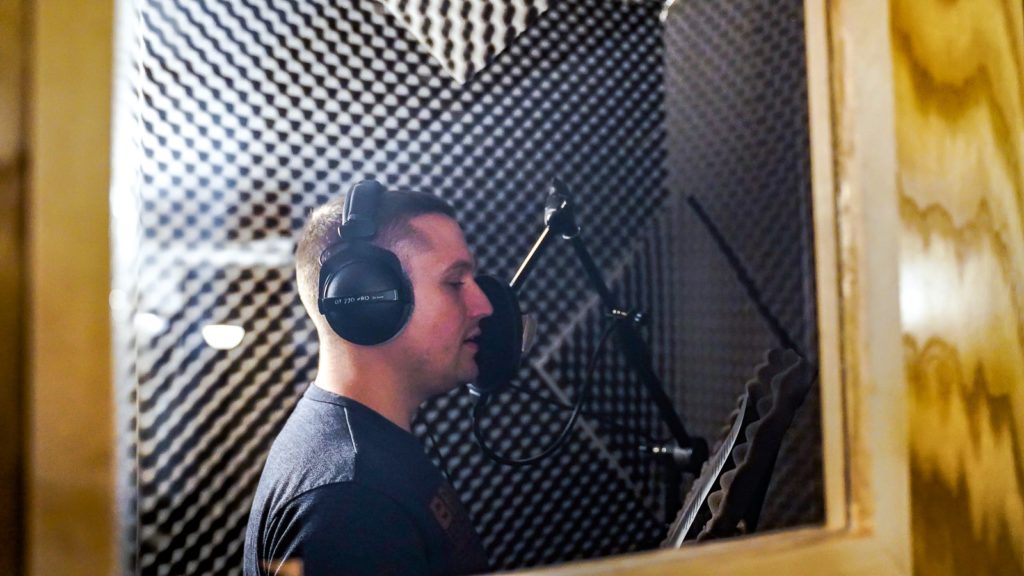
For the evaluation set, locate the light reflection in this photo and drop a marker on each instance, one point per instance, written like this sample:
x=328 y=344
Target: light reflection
x=223 y=336
x=148 y=324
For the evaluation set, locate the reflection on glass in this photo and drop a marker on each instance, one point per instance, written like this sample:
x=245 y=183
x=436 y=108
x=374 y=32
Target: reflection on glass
x=223 y=336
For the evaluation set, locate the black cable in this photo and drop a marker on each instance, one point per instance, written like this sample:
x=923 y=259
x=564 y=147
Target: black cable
x=559 y=406
x=581 y=399
x=747 y=281
x=744 y=277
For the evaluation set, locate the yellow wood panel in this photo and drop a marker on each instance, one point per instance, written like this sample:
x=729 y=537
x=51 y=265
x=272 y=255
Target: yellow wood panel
x=12 y=245
x=70 y=506
x=960 y=131
x=867 y=222
x=805 y=551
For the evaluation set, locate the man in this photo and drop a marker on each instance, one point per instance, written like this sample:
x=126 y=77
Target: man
x=347 y=488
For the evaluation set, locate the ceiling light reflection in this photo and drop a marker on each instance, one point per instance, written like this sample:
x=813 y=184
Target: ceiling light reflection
x=223 y=336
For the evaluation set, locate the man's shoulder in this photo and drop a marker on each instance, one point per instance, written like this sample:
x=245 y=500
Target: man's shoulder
x=357 y=528
x=314 y=448
x=330 y=439
x=340 y=470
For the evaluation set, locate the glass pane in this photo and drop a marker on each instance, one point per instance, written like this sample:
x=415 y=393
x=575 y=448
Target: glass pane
x=247 y=115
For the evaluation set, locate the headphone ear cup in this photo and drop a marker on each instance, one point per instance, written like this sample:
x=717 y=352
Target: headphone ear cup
x=349 y=281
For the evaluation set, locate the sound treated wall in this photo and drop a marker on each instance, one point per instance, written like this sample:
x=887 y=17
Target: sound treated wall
x=249 y=114
x=737 y=121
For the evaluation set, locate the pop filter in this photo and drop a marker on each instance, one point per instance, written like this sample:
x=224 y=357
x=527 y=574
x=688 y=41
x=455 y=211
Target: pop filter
x=501 y=338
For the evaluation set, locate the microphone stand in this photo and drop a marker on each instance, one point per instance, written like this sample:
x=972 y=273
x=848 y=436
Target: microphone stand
x=686 y=453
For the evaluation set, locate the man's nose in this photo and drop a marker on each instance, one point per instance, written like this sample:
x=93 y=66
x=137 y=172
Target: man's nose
x=480 y=306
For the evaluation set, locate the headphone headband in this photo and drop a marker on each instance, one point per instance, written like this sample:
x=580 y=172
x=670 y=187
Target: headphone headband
x=360 y=211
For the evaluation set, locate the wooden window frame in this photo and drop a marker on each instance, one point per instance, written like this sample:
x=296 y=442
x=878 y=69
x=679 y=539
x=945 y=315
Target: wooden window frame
x=850 y=86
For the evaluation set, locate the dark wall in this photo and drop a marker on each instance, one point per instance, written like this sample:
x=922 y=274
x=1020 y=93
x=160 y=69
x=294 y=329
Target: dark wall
x=736 y=108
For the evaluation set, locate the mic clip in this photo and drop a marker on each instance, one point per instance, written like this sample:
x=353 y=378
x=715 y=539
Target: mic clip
x=638 y=318
x=683 y=459
x=559 y=212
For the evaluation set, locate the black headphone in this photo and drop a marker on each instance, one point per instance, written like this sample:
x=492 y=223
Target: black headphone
x=363 y=292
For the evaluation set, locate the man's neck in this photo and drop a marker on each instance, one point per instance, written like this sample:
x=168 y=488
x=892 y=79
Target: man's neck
x=377 y=388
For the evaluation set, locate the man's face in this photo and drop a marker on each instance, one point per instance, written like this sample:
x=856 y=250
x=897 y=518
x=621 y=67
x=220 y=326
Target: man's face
x=437 y=347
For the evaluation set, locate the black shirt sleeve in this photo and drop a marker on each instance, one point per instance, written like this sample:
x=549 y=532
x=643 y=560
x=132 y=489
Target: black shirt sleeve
x=345 y=529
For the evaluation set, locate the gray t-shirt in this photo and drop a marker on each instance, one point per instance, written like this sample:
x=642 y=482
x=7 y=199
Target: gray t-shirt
x=346 y=491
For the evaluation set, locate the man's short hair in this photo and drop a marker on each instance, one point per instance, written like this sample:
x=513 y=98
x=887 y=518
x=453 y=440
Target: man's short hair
x=396 y=209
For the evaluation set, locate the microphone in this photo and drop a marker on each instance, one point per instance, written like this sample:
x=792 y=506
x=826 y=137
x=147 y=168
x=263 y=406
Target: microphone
x=559 y=211
x=505 y=336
